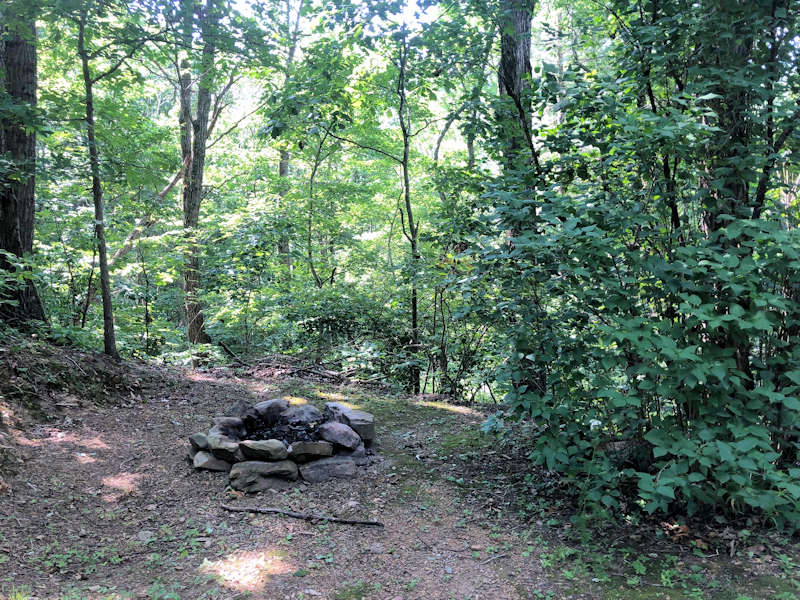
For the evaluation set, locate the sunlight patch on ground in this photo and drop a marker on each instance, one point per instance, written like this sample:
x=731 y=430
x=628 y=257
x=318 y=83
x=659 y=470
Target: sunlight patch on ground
x=56 y=436
x=201 y=377
x=122 y=484
x=340 y=398
x=84 y=458
x=462 y=410
x=247 y=570
x=296 y=400
x=335 y=396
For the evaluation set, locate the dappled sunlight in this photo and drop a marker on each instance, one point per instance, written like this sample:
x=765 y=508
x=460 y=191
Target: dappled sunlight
x=121 y=485
x=247 y=570
x=57 y=437
x=338 y=397
x=84 y=458
x=295 y=400
x=462 y=410
x=201 y=377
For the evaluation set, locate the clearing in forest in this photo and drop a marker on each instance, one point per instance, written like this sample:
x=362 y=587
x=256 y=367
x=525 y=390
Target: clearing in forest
x=105 y=505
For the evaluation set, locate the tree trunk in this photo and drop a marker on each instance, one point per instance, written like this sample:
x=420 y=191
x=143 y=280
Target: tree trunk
x=413 y=229
x=513 y=75
x=194 y=134
x=293 y=32
x=18 y=78
x=514 y=122
x=109 y=341
x=284 y=243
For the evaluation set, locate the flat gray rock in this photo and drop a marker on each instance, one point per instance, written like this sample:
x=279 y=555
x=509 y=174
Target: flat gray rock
x=327 y=468
x=206 y=460
x=362 y=422
x=223 y=447
x=256 y=476
x=334 y=411
x=306 y=451
x=264 y=449
x=198 y=441
x=339 y=434
x=270 y=410
x=303 y=414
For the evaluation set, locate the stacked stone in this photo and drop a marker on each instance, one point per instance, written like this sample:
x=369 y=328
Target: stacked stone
x=336 y=446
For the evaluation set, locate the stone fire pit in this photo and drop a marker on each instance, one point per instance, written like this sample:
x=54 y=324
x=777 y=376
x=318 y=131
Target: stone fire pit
x=273 y=443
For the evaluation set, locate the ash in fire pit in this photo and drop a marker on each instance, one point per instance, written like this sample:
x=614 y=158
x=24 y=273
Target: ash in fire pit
x=269 y=444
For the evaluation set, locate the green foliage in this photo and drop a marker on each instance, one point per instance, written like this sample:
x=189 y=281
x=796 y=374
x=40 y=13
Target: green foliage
x=627 y=279
x=649 y=281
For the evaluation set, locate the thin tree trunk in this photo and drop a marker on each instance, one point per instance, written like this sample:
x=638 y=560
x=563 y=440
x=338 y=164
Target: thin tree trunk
x=18 y=78
x=293 y=31
x=284 y=243
x=109 y=341
x=413 y=229
x=194 y=133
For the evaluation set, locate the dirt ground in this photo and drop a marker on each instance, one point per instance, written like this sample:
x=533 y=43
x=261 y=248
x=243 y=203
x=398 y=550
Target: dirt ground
x=105 y=505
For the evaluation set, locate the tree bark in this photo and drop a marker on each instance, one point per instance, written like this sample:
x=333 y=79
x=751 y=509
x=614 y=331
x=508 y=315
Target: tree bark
x=109 y=340
x=520 y=154
x=194 y=134
x=412 y=234
x=513 y=77
x=18 y=144
x=293 y=32
x=284 y=243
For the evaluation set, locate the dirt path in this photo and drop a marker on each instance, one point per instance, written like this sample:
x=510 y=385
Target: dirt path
x=106 y=506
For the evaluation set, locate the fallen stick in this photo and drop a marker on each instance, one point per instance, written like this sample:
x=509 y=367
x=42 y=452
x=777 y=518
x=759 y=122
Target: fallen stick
x=495 y=557
x=231 y=353
x=297 y=515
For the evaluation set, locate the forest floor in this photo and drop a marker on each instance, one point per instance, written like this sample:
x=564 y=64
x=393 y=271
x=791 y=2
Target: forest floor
x=103 y=505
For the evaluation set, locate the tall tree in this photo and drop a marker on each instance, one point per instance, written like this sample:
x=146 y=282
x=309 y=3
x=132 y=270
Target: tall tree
x=109 y=338
x=519 y=154
x=103 y=51
x=18 y=153
x=292 y=38
x=194 y=131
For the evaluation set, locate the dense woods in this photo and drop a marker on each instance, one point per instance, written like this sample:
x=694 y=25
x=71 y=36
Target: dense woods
x=584 y=212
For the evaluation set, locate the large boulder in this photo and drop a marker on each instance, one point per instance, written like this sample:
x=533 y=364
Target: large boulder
x=224 y=447
x=264 y=449
x=306 y=451
x=206 y=460
x=362 y=422
x=270 y=410
x=339 y=434
x=327 y=468
x=305 y=415
x=253 y=476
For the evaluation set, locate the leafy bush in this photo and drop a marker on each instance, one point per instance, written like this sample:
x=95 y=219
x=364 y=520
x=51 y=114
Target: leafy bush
x=651 y=290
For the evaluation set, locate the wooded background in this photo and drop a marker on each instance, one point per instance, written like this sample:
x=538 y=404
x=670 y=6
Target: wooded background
x=586 y=211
